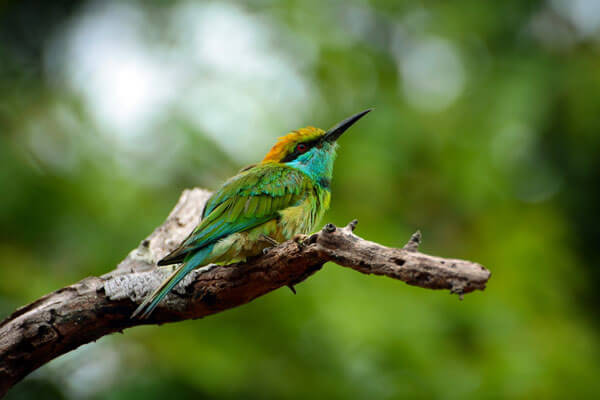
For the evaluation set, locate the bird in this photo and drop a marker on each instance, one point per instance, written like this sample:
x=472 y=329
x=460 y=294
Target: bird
x=280 y=198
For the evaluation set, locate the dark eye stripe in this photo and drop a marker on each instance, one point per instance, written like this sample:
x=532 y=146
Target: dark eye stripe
x=293 y=155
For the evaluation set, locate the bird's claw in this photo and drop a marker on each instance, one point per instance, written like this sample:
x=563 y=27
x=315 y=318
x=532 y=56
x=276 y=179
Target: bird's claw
x=300 y=240
x=269 y=240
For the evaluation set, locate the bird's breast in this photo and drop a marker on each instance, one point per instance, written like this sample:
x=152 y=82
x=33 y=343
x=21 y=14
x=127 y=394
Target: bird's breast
x=299 y=219
x=302 y=218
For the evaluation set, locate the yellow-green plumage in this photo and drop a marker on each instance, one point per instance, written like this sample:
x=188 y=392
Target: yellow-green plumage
x=279 y=213
x=284 y=195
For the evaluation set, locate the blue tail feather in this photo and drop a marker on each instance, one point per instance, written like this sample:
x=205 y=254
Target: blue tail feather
x=152 y=301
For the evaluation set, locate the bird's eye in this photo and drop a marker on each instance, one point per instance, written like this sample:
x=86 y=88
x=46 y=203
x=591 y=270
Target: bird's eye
x=301 y=148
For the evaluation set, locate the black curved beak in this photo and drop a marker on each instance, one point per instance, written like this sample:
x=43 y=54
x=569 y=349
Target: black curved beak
x=334 y=133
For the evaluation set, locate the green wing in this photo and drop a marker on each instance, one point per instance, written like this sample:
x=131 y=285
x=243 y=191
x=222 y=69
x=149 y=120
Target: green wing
x=249 y=199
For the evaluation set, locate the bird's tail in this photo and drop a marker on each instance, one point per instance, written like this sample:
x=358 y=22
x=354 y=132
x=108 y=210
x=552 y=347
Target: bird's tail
x=150 y=303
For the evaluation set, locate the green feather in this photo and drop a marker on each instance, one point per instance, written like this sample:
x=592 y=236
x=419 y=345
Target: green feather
x=245 y=201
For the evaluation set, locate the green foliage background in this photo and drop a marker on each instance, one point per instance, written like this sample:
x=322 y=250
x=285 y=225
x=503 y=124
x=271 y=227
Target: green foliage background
x=485 y=137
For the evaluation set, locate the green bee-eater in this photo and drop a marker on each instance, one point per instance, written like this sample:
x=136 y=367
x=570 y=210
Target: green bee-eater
x=283 y=196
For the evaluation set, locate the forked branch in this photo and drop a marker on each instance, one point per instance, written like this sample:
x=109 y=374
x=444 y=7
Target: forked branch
x=96 y=306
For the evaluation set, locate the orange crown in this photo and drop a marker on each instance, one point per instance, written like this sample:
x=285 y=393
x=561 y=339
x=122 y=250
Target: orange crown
x=286 y=144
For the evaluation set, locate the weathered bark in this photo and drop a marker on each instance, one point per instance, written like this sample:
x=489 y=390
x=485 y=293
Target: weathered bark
x=96 y=306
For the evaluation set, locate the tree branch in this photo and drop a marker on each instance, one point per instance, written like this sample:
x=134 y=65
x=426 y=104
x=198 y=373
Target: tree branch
x=96 y=306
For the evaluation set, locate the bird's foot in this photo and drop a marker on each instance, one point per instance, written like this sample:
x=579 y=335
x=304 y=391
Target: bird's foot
x=292 y=288
x=269 y=240
x=301 y=241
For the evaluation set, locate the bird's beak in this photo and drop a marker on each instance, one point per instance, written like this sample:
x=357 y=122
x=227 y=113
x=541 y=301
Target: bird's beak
x=334 y=133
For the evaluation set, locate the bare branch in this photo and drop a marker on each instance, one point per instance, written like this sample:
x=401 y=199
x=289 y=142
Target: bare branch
x=96 y=306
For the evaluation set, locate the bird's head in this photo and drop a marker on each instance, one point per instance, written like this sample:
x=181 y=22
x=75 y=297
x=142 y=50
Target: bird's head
x=310 y=149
